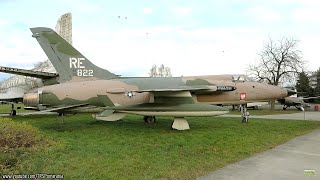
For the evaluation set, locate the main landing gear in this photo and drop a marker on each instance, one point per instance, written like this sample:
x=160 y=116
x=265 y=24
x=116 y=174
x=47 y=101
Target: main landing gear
x=149 y=119
x=179 y=123
x=244 y=113
x=13 y=112
x=60 y=117
x=284 y=107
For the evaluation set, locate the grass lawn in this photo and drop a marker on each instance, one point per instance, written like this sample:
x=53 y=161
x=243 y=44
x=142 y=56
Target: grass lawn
x=132 y=149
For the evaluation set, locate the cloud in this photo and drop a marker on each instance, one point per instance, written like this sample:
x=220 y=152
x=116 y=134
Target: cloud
x=309 y=48
x=82 y=6
x=307 y=14
x=262 y=13
x=190 y=39
x=18 y=49
x=203 y=50
x=3 y=22
x=147 y=10
x=182 y=11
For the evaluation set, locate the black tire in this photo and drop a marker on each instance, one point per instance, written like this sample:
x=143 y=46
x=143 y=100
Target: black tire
x=284 y=108
x=149 y=119
x=13 y=112
x=145 y=119
x=245 y=120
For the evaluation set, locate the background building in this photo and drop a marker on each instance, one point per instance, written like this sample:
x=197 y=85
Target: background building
x=64 y=27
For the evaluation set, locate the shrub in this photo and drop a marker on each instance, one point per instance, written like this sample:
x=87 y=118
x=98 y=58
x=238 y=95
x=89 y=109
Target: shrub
x=15 y=140
x=16 y=135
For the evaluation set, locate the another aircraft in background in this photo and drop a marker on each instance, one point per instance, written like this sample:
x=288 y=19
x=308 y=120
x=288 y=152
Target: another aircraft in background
x=297 y=102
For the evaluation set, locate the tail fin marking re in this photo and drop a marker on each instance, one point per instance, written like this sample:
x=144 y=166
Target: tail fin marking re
x=67 y=60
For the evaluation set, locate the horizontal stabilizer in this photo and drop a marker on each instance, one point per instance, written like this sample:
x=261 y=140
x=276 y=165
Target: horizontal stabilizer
x=31 y=73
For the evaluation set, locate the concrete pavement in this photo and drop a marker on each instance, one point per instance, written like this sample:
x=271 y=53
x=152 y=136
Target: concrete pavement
x=307 y=115
x=287 y=161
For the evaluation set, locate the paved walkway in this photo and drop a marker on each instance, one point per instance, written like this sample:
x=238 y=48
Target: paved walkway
x=286 y=161
x=307 y=115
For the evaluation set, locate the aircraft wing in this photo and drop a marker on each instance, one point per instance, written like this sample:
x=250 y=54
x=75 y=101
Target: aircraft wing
x=305 y=98
x=173 y=101
x=24 y=72
x=182 y=94
x=179 y=88
x=203 y=89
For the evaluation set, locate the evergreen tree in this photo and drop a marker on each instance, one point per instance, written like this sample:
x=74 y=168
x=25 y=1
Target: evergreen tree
x=303 y=84
x=317 y=88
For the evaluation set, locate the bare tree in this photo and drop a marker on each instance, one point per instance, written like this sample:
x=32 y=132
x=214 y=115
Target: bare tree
x=38 y=65
x=280 y=61
x=161 y=71
x=32 y=81
x=153 y=71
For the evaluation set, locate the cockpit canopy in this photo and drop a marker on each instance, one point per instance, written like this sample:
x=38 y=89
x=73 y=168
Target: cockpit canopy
x=241 y=78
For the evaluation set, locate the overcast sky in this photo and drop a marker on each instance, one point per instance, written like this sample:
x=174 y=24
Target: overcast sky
x=191 y=37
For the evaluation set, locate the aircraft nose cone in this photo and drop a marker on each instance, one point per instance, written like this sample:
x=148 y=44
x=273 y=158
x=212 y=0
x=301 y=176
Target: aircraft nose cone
x=291 y=92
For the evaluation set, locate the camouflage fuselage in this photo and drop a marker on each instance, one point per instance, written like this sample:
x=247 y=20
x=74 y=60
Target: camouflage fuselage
x=131 y=91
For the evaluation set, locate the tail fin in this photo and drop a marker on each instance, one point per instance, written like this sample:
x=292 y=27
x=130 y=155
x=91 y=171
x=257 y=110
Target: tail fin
x=67 y=61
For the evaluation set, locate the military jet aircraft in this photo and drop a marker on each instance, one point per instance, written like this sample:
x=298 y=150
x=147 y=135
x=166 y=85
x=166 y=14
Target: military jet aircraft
x=88 y=88
x=297 y=102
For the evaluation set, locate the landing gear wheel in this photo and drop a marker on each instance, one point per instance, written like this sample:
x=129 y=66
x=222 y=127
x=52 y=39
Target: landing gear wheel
x=245 y=119
x=149 y=119
x=60 y=116
x=13 y=112
x=244 y=113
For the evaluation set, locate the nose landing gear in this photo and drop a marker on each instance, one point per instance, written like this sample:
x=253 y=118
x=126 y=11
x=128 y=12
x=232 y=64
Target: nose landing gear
x=244 y=113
